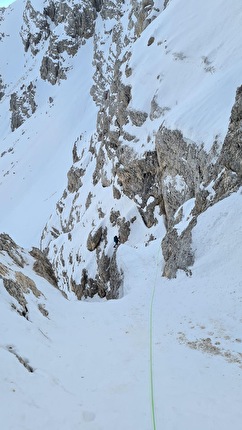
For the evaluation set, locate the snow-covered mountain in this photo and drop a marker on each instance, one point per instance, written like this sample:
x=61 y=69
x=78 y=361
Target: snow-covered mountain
x=121 y=119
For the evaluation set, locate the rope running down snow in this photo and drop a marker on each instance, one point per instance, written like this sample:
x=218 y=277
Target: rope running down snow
x=151 y=349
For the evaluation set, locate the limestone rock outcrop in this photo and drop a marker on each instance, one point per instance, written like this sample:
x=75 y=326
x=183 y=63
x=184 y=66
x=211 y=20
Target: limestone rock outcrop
x=191 y=174
x=43 y=267
x=2 y=87
x=161 y=178
x=22 y=105
x=35 y=28
x=231 y=155
x=18 y=269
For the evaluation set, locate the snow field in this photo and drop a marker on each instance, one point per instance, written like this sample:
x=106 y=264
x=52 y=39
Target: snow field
x=91 y=359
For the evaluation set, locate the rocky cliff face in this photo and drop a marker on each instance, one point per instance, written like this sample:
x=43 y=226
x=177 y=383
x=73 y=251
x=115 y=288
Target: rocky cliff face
x=22 y=105
x=15 y=263
x=64 y=25
x=132 y=171
x=110 y=163
x=52 y=35
x=159 y=182
x=192 y=180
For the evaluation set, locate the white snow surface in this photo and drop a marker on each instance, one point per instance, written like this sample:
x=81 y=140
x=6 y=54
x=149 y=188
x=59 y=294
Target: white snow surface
x=91 y=359
x=192 y=68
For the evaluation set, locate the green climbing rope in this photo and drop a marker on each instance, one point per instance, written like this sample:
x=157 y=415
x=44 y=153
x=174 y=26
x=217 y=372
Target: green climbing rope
x=151 y=350
x=151 y=362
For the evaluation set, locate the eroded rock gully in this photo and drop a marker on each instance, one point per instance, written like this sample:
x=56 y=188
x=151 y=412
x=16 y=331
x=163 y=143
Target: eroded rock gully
x=156 y=174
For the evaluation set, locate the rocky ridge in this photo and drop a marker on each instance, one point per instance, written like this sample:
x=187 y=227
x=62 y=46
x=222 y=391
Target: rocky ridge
x=17 y=270
x=160 y=182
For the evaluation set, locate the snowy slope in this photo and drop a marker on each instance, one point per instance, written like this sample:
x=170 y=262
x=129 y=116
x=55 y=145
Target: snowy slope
x=36 y=157
x=91 y=359
x=191 y=69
